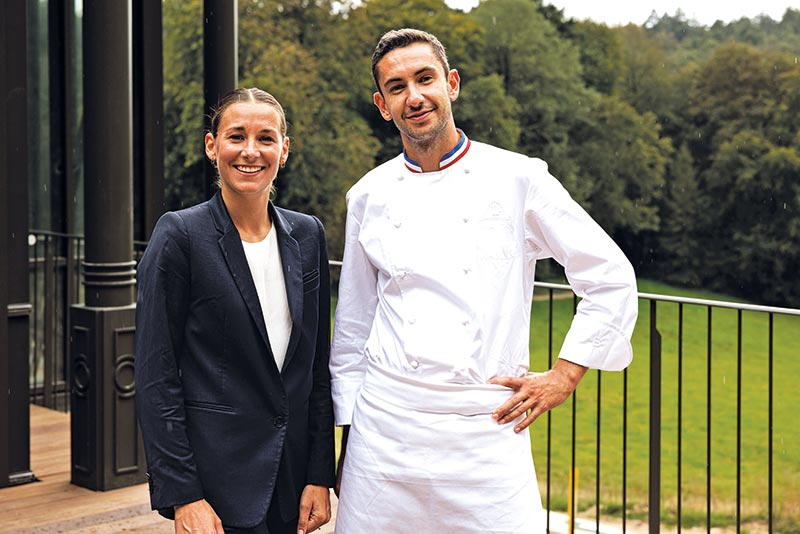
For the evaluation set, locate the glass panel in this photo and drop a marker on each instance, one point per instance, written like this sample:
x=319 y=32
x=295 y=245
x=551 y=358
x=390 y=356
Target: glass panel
x=40 y=205
x=75 y=114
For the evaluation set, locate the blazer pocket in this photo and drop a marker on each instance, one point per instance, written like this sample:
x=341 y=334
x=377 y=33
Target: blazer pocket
x=310 y=281
x=208 y=406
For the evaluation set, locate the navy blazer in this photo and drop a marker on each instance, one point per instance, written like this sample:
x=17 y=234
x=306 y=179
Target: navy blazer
x=219 y=420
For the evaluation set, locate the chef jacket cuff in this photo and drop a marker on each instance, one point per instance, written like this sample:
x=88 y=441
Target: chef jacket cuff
x=344 y=394
x=596 y=345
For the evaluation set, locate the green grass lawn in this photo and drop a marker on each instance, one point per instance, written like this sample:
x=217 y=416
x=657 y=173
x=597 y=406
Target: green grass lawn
x=694 y=429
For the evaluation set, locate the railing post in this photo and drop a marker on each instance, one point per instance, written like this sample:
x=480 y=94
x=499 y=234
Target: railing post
x=654 y=496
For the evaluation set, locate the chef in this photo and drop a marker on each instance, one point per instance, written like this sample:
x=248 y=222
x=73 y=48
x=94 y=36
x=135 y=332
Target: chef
x=430 y=357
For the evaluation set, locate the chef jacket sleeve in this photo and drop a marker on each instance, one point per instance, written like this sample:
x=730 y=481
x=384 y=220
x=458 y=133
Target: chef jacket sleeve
x=355 y=311
x=597 y=270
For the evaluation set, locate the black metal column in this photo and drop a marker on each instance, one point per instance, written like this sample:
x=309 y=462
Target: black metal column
x=15 y=308
x=654 y=482
x=106 y=447
x=148 y=113
x=220 y=60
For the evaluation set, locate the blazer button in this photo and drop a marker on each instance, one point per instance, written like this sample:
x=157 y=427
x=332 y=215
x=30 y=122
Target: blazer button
x=279 y=422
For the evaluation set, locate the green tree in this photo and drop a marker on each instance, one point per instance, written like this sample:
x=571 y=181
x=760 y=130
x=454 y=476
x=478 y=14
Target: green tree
x=487 y=113
x=650 y=80
x=733 y=91
x=541 y=70
x=621 y=156
x=679 y=259
x=600 y=54
x=755 y=232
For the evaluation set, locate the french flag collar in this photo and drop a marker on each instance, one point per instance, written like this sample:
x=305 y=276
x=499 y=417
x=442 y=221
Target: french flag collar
x=447 y=160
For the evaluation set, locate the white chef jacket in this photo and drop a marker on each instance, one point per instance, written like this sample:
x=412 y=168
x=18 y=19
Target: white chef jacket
x=438 y=270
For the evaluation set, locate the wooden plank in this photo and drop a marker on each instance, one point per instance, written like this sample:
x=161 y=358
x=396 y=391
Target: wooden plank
x=53 y=505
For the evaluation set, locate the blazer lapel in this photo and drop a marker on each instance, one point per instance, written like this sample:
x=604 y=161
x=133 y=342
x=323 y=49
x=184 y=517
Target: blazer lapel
x=231 y=246
x=292 y=274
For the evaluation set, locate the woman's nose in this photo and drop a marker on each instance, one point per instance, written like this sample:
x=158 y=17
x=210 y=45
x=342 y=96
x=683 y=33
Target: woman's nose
x=249 y=149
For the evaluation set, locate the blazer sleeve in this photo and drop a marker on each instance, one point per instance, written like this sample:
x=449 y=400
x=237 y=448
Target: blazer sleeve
x=321 y=458
x=164 y=288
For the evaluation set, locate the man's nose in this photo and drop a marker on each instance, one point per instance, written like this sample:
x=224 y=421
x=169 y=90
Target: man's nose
x=415 y=97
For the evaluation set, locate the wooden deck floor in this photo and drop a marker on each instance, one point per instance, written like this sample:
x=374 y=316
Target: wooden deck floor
x=53 y=505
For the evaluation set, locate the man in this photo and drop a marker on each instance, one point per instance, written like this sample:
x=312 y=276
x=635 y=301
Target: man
x=430 y=350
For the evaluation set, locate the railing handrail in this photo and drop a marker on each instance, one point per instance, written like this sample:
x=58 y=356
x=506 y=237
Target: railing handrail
x=689 y=300
x=564 y=287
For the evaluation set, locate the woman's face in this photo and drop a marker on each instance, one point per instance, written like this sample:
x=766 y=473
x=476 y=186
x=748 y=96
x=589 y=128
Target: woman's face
x=248 y=148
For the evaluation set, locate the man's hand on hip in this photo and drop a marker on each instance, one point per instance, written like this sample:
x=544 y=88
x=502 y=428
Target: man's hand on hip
x=536 y=393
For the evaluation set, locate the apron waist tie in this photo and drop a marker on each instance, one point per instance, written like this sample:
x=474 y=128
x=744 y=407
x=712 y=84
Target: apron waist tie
x=414 y=394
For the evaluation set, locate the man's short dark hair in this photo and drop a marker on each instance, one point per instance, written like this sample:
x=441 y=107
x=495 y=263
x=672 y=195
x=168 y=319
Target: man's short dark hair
x=402 y=38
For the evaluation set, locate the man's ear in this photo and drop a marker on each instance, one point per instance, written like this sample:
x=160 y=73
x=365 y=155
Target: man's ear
x=380 y=103
x=454 y=84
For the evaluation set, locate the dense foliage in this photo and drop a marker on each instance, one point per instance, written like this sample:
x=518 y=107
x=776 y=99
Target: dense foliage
x=681 y=140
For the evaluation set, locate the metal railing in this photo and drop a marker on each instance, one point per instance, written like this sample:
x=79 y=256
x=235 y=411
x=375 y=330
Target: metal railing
x=54 y=278
x=628 y=448
x=710 y=369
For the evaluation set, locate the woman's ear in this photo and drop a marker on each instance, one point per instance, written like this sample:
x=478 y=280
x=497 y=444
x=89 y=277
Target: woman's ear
x=285 y=151
x=210 y=147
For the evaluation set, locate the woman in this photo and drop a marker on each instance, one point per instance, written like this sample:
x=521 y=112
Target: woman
x=233 y=326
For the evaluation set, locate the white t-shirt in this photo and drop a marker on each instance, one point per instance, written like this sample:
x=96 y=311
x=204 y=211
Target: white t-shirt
x=264 y=260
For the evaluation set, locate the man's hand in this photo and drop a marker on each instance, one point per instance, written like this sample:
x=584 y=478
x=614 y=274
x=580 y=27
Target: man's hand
x=315 y=508
x=536 y=393
x=197 y=518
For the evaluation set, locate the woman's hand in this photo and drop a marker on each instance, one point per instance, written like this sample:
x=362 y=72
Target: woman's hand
x=315 y=508
x=197 y=518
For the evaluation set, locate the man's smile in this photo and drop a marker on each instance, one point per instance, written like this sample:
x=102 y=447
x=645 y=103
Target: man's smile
x=418 y=116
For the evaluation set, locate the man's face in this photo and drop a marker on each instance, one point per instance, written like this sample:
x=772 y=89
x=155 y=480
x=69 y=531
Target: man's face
x=416 y=93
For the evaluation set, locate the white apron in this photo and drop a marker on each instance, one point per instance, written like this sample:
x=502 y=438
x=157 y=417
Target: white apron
x=429 y=459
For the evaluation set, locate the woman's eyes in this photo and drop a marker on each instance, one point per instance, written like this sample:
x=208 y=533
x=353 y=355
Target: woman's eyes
x=261 y=139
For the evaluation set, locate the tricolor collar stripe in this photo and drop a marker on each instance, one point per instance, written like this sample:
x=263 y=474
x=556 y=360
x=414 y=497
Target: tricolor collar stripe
x=447 y=160
x=456 y=156
x=412 y=165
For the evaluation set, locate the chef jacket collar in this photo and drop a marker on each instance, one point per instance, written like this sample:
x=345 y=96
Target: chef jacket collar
x=447 y=160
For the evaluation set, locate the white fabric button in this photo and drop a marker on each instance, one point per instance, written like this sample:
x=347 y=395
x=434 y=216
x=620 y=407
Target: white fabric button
x=414 y=364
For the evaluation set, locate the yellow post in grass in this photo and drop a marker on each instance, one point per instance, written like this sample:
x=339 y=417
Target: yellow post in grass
x=572 y=493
